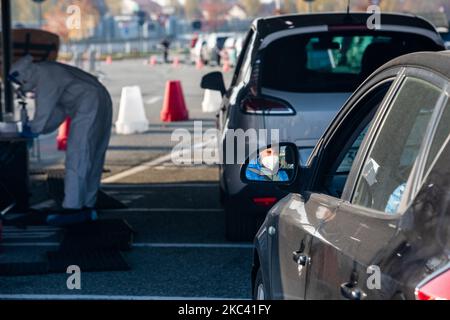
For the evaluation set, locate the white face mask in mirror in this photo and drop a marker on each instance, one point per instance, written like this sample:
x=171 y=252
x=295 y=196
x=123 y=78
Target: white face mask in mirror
x=272 y=165
x=270 y=162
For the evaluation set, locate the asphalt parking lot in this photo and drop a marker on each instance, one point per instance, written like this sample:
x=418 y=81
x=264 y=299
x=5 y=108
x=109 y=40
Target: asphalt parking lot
x=179 y=249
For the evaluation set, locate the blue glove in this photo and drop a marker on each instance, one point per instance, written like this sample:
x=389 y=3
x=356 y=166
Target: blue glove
x=27 y=133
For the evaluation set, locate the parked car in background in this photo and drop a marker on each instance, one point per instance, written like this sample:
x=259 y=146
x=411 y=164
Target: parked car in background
x=294 y=74
x=214 y=45
x=446 y=37
x=229 y=52
x=232 y=49
x=196 y=51
x=372 y=198
x=239 y=44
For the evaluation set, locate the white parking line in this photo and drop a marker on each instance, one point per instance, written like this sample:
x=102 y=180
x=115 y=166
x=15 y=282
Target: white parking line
x=150 y=164
x=149 y=245
x=30 y=244
x=106 y=297
x=159 y=186
x=44 y=205
x=137 y=169
x=35 y=235
x=29 y=229
x=194 y=245
x=156 y=210
x=153 y=100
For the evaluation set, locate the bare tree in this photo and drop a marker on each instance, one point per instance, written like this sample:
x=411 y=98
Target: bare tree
x=214 y=12
x=288 y=6
x=57 y=17
x=324 y=5
x=192 y=9
x=252 y=7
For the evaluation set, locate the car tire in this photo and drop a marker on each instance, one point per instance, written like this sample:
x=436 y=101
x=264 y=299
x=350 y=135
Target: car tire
x=259 y=291
x=241 y=226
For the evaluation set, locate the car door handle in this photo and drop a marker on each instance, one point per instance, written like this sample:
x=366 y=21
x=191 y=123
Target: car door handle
x=301 y=259
x=351 y=291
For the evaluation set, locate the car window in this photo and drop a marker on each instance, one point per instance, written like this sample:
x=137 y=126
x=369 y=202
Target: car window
x=244 y=59
x=221 y=42
x=383 y=180
x=349 y=138
x=336 y=61
x=305 y=154
x=350 y=155
x=440 y=137
x=335 y=183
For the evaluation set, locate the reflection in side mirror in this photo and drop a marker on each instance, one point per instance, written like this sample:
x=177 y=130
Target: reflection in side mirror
x=275 y=165
x=214 y=81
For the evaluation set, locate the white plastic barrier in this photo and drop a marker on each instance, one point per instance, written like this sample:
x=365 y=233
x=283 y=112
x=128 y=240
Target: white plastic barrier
x=211 y=101
x=132 y=118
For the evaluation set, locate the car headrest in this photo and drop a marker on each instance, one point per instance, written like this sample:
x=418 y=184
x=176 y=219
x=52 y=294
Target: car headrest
x=377 y=54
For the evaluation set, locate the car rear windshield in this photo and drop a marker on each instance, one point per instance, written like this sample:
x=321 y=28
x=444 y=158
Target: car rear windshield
x=333 y=62
x=221 y=42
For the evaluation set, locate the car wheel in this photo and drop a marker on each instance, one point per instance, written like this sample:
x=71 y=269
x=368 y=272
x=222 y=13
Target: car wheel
x=259 y=292
x=241 y=226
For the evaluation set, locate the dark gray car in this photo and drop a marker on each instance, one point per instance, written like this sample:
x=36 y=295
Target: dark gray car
x=294 y=74
x=368 y=214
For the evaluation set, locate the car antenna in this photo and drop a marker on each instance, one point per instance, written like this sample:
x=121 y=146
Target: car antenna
x=348 y=6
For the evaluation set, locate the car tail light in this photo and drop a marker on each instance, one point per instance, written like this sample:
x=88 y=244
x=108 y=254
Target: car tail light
x=438 y=288
x=263 y=105
x=265 y=201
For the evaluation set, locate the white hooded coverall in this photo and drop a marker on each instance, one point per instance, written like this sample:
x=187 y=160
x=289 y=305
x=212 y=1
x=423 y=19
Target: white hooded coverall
x=63 y=91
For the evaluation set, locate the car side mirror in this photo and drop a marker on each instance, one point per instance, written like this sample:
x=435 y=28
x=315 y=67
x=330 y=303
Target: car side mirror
x=214 y=81
x=275 y=165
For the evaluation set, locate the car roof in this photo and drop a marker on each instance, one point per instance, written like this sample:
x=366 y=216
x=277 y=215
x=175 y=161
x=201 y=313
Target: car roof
x=436 y=62
x=269 y=25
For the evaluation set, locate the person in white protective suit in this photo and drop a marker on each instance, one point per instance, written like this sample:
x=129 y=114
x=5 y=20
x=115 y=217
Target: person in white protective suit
x=63 y=91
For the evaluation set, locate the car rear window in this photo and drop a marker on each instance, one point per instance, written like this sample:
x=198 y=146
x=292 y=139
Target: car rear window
x=333 y=62
x=221 y=42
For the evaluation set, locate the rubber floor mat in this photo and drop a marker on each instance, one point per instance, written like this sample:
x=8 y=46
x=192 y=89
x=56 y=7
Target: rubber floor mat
x=87 y=261
x=55 y=183
x=98 y=235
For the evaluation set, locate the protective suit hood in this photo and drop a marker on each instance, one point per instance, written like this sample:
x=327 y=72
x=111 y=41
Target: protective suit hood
x=25 y=71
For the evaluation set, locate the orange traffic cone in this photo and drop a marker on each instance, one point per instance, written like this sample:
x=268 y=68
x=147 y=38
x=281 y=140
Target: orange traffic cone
x=226 y=66
x=174 y=108
x=176 y=62
x=109 y=60
x=63 y=135
x=153 y=61
x=199 y=64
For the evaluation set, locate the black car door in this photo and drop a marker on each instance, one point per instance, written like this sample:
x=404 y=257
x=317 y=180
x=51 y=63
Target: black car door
x=348 y=250
x=291 y=243
x=384 y=187
x=337 y=236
